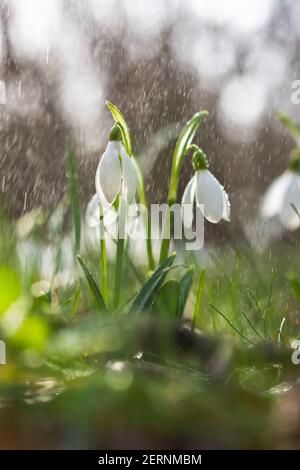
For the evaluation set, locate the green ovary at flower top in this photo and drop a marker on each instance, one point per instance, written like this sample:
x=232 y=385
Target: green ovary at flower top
x=205 y=189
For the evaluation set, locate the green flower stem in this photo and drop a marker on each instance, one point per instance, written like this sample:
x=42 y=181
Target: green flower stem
x=103 y=256
x=143 y=202
x=120 y=252
x=172 y=196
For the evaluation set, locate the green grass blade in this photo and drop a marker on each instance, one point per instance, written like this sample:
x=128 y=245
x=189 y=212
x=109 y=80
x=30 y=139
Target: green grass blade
x=95 y=292
x=184 y=289
x=280 y=332
x=119 y=119
x=232 y=325
x=147 y=293
x=74 y=197
x=253 y=327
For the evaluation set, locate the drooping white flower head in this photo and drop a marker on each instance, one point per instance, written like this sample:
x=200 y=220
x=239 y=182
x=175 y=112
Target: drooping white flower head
x=283 y=196
x=209 y=194
x=115 y=176
x=115 y=173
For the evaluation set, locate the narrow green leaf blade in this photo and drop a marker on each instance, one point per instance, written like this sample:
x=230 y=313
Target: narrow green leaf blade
x=73 y=189
x=146 y=295
x=184 y=289
x=120 y=120
x=75 y=299
x=198 y=297
x=94 y=289
x=295 y=284
x=292 y=127
x=166 y=300
x=185 y=138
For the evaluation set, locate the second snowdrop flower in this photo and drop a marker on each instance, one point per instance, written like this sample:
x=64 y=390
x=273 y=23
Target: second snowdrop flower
x=282 y=198
x=206 y=190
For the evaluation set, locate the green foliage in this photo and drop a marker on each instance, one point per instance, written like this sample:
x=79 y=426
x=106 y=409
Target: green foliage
x=73 y=189
x=10 y=287
x=166 y=300
x=292 y=127
x=146 y=295
x=295 y=284
x=185 y=285
x=199 y=296
x=183 y=142
x=94 y=289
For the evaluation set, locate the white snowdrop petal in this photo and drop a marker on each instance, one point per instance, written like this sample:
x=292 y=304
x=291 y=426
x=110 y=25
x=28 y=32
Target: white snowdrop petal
x=92 y=212
x=209 y=193
x=288 y=216
x=108 y=174
x=129 y=176
x=187 y=202
x=272 y=201
x=105 y=203
x=226 y=206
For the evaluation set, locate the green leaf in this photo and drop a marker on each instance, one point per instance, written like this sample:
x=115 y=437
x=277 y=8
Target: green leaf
x=184 y=289
x=76 y=299
x=295 y=284
x=73 y=189
x=147 y=294
x=292 y=127
x=198 y=297
x=94 y=289
x=119 y=119
x=183 y=142
x=120 y=253
x=166 y=300
x=143 y=202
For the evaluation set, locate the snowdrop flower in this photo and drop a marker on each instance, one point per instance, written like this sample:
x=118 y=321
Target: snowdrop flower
x=283 y=195
x=206 y=190
x=115 y=175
